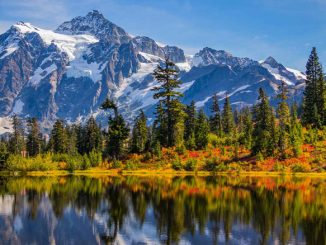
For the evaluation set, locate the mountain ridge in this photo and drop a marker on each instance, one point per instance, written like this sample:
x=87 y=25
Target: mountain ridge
x=67 y=73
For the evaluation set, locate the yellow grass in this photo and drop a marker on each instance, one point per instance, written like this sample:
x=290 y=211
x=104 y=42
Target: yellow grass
x=93 y=172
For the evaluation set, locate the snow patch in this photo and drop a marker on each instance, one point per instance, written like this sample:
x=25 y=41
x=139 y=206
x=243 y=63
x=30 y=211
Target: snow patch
x=5 y=125
x=75 y=46
x=162 y=45
x=201 y=103
x=66 y=43
x=298 y=74
x=40 y=74
x=185 y=86
x=197 y=60
x=18 y=107
x=12 y=47
x=276 y=73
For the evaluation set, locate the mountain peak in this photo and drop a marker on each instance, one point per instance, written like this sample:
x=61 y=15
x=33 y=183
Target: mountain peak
x=271 y=61
x=96 y=24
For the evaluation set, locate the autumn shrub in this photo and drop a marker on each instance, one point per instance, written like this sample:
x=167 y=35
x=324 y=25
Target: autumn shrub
x=260 y=157
x=211 y=163
x=132 y=164
x=213 y=140
x=191 y=165
x=176 y=164
x=278 y=167
x=95 y=158
x=300 y=167
x=86 y=162
x=74 y=162
x=147 y=157
x=38 y=163
x=116 y=164
x=221 y=168
x=181 y=149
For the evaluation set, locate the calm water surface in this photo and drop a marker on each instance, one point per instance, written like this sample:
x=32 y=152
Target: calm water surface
x=162 y=210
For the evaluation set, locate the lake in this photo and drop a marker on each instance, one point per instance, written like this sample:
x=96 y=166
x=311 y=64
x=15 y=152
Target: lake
x=162 y=210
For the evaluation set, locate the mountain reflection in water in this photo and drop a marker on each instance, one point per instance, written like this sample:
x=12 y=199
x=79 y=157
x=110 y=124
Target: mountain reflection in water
x=162 y=210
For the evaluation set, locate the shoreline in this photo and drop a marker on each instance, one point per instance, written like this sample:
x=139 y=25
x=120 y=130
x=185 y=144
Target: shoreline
x=142 y=172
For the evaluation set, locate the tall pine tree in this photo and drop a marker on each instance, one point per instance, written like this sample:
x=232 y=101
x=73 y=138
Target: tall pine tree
x=167 y=77
x=314 y=94
x=283 y=113
x=296 y=135
x=140 y=135
x=215 y=119
x=201 y=131
x=59 y=138
x=118 y=131
x=264 y=129
x=17 y=139
x=190 y=126
x=34 y=138
x=227 y=117
x=93 y=137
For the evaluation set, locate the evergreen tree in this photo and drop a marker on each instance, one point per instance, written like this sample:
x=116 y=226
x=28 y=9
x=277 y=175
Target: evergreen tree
x=59 y=138
x=201 y=131
x=4 y=154
x=314 y=94
x=140 y=135
x=80 y=138
x=246 y=132
x=227 y=117
x=34 y=138
x=167 y=77
x=283 y=113
x=93 y=138
x=118 y=131
x=17 y=140
x=190 y=126
x=264 y=130
x=296 y=136
x=215 y=119
x=71 y=134
x=160 y=126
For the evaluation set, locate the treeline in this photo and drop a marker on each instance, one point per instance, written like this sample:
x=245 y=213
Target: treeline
x=264 y=130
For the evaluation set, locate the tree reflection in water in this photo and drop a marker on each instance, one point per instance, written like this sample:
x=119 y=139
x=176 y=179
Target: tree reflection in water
x=169 y=210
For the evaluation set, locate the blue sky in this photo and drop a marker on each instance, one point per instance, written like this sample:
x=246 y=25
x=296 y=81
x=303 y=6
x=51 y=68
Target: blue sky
x=284 y=29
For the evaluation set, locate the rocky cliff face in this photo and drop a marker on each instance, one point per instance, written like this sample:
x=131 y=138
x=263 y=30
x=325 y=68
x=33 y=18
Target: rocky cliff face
x=67 y=73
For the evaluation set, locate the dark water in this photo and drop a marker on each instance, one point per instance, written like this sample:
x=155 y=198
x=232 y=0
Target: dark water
x=162 y=210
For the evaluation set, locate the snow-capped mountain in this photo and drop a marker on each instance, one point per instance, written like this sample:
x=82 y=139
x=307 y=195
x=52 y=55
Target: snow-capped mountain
x=68 y=72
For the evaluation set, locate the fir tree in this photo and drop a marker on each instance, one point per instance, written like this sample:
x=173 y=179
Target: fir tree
x=314 y=94
x=296 y=136
x=264 y=130
x=201 y=131
x=139 y=136
x=215 y=119
x=227 y=117
x=160 y=126
x=17 y=140
x=34 y=138
x=71 y=134
x=247 y=128
x=4 y=154
x=59 y=138
x=118 y=131
x=190 y=126
x=283 y=113
x=80 y=138
x=167 y=77
x=93 y=139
